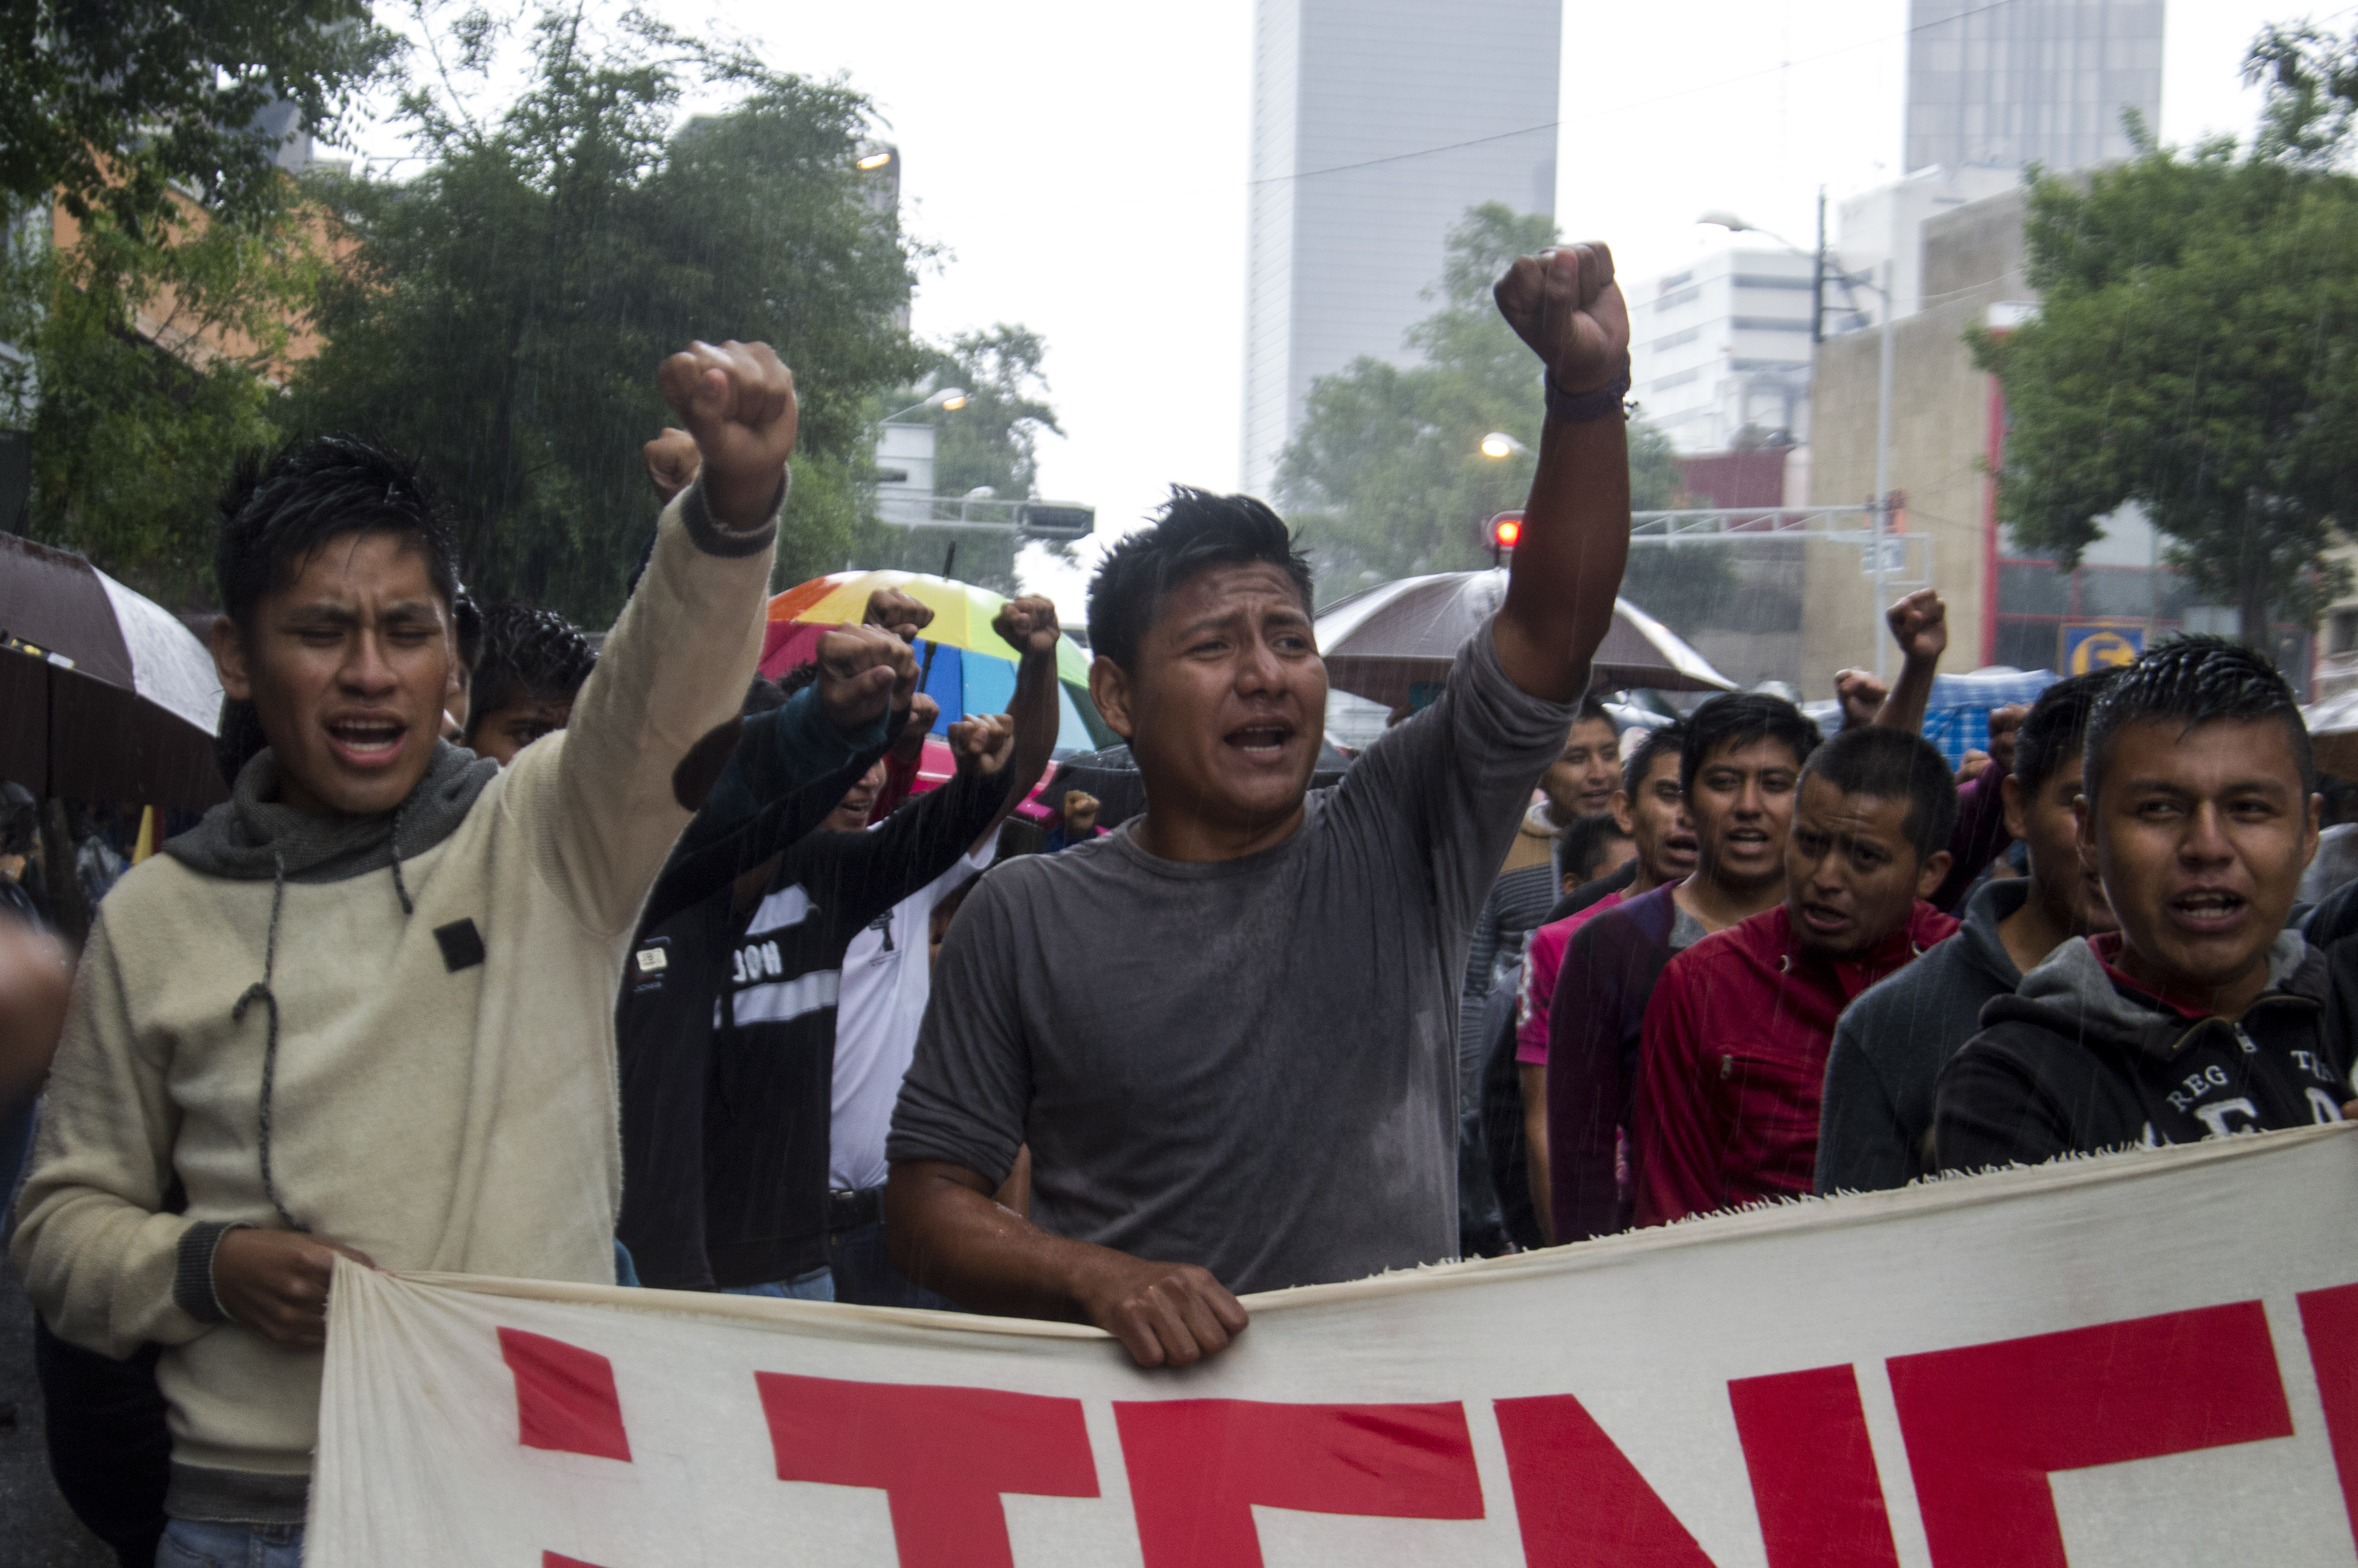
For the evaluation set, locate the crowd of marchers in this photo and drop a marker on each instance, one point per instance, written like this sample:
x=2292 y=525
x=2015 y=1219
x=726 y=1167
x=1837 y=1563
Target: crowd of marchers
x=619 y=964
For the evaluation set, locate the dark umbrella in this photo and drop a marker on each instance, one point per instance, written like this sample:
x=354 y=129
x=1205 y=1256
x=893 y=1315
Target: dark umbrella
x=1384 y=641
x=103 y=694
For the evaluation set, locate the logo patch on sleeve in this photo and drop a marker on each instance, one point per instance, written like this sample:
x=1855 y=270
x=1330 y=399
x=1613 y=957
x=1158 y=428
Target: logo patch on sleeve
x=462 y=945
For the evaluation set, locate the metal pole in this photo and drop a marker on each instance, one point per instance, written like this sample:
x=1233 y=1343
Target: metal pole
x=1818 y=276
x=1882 y=476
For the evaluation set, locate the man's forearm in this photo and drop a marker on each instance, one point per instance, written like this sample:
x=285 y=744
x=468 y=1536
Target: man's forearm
x=947 y=1238
x=1911 y=693
x=1568 y=561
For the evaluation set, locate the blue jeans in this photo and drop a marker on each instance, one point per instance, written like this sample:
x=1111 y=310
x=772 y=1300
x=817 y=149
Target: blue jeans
x=818 y=1285
x=864 y=1272
x=199 y=1543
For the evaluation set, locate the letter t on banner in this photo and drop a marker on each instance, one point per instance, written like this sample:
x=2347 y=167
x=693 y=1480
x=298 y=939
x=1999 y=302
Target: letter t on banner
x=1197 y=1466
x=942 y=1455
x=1813 y=1465
x=1987 y=1424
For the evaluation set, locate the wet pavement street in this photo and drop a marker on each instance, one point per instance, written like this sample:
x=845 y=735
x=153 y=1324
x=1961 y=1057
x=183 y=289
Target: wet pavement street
x=36 y=1530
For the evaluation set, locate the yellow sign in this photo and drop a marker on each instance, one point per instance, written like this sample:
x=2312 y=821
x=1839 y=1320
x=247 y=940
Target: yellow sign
x=2099 y=647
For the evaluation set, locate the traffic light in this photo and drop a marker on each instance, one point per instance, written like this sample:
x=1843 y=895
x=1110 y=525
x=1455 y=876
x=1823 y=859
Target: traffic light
x=1036 y=521
x=1505 y=529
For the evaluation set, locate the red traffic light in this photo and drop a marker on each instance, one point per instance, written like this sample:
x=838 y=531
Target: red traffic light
x=1506 y=528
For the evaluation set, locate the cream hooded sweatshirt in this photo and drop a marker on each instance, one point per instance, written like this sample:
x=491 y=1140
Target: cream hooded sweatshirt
x=442 y=1089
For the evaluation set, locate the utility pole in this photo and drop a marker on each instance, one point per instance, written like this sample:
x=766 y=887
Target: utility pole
x=1818 y=276
x=1882 y=476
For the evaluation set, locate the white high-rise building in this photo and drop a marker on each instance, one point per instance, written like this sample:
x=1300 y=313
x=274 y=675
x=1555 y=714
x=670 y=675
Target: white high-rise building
x=1722 y=345
x=1376 y=124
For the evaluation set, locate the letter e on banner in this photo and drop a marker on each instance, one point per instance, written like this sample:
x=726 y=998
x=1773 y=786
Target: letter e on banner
x=1813 y=1477
x=1199 y=1466
x=942 y=1456
x=1987 y=1424
x=1580 y=1501
x=565 y=1396
x=2328 y=1320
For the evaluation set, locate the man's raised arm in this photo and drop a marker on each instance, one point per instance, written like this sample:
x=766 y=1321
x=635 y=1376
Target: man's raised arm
x=1575 y=539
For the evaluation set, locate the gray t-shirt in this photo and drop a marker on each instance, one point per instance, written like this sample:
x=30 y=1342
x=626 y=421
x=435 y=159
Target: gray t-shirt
x=1248 y=1065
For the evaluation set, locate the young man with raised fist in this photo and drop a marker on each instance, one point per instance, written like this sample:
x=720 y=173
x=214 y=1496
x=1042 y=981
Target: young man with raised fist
x=1228 y=1028
x=2201 y=1016
x=364 y=1008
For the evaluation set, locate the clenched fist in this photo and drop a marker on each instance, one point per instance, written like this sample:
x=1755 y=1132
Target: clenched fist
x=738 y=402
x=1920 y=624
x=1028 y=625
x=1565 y=304
x=276 y=1281
x=672 y=461
x=899 y=613
x=983 y=743
x=863 y=670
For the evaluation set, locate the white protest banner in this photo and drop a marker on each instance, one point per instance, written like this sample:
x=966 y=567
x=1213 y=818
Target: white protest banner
x=2146 y=1359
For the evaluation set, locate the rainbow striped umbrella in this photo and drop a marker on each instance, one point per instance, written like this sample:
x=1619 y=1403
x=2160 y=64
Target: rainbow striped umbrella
x=969 y=667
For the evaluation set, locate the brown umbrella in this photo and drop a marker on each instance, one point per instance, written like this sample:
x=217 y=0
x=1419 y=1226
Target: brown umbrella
x=1383 y=643
x=103 y=694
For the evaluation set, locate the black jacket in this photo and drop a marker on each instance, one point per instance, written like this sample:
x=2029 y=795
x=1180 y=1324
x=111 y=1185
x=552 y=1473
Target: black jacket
x=728 y=1048
x=2081 y=1061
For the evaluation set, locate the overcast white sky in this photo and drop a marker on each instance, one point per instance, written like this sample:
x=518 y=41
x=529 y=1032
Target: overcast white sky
x=1084 y=165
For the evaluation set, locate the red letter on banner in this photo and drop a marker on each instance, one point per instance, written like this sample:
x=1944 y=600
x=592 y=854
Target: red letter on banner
x=1197 y=1466
x=565 y=1396
x=1987 y=1424
x=1813 y=1479
x=2330 y=1321
x=1581 y=1502
x=942 y=1456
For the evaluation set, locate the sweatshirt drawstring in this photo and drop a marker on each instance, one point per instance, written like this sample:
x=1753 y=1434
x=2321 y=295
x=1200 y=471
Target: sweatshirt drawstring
x=260 y=991
x=393 y=848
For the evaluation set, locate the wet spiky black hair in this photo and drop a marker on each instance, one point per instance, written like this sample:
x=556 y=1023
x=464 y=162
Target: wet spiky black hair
x=1885 y=764
x=1737 y=720
x=1651 y=743
x=2053 y=730
x=280 y=509
x=1193 y=530
x=2193 y=681
x=527 y=654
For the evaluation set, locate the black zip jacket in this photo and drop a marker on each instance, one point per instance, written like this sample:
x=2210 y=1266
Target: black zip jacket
x=2078 y=1061
x=728 y=1048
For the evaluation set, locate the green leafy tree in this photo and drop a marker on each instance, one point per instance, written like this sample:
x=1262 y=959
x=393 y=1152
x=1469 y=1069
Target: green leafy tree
x=502 y=312
x=2196 y=350
x=148 y=360
x=112 y=106
x=1386 y=476
x=991 y=443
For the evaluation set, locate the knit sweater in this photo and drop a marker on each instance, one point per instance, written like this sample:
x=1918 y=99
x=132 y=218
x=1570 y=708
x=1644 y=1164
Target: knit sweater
x=442 y=1090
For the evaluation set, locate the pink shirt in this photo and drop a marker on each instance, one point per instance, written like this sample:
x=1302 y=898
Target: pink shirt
x=1542 y=959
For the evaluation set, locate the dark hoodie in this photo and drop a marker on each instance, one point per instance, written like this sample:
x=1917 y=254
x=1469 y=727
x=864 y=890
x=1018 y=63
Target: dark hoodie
x=1875 y=1126
x=2081 y=1059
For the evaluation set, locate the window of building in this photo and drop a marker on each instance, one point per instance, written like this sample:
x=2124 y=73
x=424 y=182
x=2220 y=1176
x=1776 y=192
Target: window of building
x=2342 y=633
x=1678 y=340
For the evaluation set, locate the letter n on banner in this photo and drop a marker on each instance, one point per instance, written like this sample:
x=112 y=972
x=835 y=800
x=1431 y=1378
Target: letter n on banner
x=1580 y=1501
x=565 y=1396
x=1197 y=1466
x=942 y=1456
x=1812 y=1467
x=1987 y=1424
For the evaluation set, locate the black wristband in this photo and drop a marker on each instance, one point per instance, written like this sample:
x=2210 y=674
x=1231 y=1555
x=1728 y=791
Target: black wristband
x=1583 y=407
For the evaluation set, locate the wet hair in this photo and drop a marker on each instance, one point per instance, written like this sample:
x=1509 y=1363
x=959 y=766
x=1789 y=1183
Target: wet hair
x=278 y=510
x=2052 y=733
x=763 y=694
x=1592 y=711
x=466 y=626
x=1651 y=745
x=528 y=655
x=2193 y=681
x=797 y=677
x=1885 y=764
x=237 y=737
x=1193 y=530
x=1737 y=720
x=1580 y=849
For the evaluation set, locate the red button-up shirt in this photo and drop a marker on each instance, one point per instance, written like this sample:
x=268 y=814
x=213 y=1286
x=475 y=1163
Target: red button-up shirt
x=1734 y=1061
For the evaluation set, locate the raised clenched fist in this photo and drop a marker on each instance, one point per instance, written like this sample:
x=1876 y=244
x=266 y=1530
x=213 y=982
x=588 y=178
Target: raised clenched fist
x=1920 y=624
x=738 y=403
x=862 y=671
x=982 y=744
x=672 y=461
x=1565 y=304
x=1027 y=625
x=901 y=613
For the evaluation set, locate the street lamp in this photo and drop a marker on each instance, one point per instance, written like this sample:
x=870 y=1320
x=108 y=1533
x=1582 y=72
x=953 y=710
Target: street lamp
x=1882 y=503
x=949 y=398
x=1498 y=444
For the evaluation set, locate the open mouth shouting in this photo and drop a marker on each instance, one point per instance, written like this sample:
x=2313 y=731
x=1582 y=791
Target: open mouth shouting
x=2208 y=912
x=1263 y=740
x=1826 y=920
x=366 y=740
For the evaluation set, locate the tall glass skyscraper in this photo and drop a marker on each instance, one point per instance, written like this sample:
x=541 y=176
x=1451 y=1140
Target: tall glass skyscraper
x=2029 y=81
x=1376 y=124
